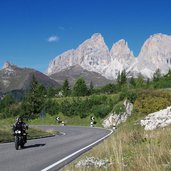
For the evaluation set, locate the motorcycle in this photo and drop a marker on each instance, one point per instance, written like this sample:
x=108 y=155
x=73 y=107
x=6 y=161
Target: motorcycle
x=20 y=139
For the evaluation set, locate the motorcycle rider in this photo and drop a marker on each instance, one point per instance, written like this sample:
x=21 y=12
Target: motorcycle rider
x=20 y=125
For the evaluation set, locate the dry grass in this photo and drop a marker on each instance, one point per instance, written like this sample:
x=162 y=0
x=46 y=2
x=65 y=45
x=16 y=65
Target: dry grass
x=133 y=149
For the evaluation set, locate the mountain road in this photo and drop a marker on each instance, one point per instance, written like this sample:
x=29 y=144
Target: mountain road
x=51 y=153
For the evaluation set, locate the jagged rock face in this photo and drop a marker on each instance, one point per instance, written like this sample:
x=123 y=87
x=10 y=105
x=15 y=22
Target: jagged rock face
x=155 y=54
x=94 y=55
x=62 y=62
x=121 y=58
x=122 y=53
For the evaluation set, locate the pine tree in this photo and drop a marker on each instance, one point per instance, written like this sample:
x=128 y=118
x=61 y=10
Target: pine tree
x=50 y=92
x=119 y=79
x=6 y=104
x=123 y=77
x=33 y=103
x=157 y=75
x=80 y=88
x=132 y=81
x=148 y=82
x=66 y=88
x=91 y=87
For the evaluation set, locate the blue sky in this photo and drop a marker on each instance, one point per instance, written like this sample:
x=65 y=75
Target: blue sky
x=33 y=32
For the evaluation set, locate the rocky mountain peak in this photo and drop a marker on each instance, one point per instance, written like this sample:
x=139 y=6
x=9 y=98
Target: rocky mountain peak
x=158 y=36
x=121 y=42
x=97 y=37
x=157 y=44
x=13 y=78
x=8 y=65
x=119 y=45
x=120 y=50
x=94 y=55
x=96 y=41
x=157 y=51
x=121 y=58
x=9 y=69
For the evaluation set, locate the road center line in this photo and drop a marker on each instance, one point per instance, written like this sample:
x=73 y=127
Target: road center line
x=73 y=154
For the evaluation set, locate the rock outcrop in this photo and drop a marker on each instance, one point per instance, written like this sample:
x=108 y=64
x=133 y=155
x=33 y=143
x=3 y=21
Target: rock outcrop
x=93 y=162
x=114 y=119
x=158 y=119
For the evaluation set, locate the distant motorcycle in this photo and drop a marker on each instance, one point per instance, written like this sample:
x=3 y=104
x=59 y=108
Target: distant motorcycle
x=19 y=138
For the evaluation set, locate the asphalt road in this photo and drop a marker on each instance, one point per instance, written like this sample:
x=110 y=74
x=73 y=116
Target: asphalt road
x=38 y=154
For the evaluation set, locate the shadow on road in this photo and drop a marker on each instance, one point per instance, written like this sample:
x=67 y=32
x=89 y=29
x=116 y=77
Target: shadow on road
x=35 y=145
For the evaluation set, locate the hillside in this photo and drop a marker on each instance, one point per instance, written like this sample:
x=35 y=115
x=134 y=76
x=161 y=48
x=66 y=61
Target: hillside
x=132 y=148
x=15 y=78
x=75 y=72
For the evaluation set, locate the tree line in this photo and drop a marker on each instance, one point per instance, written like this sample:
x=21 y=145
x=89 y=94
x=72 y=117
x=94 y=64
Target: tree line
x=39 y=100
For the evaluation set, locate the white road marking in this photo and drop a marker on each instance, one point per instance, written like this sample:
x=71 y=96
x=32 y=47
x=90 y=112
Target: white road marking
x=73 y=154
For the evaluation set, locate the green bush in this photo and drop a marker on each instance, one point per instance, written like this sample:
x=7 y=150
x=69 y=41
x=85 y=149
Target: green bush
x=119 y=108
x=100 y=111
x=99 y=105
x=131 y=96
x=128 y=94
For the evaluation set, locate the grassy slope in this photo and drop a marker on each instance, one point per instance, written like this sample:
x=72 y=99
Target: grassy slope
x=131 y=148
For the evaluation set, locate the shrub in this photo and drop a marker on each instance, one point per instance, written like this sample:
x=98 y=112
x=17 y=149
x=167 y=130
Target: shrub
x=100 y=110
x=119 y=108
x=131 y=96
x=151 y=101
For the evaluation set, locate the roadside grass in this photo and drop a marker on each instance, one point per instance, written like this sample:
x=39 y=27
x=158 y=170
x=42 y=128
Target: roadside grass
x=131 y=148
x=6 y=131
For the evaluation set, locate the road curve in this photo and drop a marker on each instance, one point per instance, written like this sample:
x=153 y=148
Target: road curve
x=41 y=153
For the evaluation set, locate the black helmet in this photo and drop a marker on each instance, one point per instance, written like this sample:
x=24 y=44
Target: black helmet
x=19 y=119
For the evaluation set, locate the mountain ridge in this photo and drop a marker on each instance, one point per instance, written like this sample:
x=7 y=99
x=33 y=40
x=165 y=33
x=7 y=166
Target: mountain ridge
x=94 y=55
x=13 y=78
x=74 y=72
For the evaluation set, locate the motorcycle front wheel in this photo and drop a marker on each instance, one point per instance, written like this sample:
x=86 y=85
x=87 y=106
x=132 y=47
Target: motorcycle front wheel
x=16 y=142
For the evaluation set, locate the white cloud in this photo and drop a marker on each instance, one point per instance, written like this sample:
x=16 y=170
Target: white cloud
x=53 y=39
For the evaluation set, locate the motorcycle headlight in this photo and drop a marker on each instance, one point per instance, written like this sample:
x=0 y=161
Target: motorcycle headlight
x=18 y=132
